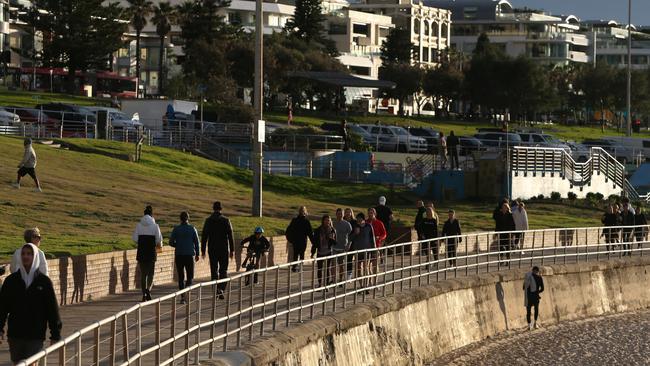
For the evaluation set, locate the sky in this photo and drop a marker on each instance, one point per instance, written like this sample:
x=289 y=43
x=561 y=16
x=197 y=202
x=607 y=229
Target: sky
x=593 y=9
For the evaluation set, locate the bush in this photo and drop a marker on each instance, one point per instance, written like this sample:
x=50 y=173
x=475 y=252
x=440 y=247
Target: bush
x=599 y=196
x=614 y=198
x=556 y=196
x=540 y=197
x=572 y=196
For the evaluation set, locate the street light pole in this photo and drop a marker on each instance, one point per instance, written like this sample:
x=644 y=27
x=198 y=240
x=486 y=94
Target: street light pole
x=258 y=91
x=629 y=68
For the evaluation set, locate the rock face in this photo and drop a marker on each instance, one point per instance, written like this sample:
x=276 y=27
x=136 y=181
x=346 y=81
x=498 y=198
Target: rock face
x=416 y=327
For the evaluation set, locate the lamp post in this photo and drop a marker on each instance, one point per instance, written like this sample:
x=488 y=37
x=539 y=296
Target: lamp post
x=258 y=124
x=629 y=68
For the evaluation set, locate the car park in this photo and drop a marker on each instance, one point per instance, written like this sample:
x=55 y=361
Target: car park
x=429 y=134
x=622 y=153
x=469 y=145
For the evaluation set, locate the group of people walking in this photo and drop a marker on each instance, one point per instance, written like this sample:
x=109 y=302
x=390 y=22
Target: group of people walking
x=634 y=224
x=426 y=226
x=344 y=233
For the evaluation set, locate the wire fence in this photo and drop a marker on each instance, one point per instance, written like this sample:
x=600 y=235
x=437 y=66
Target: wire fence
x=225 y=314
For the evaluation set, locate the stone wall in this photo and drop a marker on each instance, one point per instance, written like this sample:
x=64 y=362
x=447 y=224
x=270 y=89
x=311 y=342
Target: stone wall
x=415 y=327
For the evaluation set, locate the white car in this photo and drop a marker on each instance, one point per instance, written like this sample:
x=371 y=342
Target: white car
x=118 y=118
x=8 y=118
x=395 y=139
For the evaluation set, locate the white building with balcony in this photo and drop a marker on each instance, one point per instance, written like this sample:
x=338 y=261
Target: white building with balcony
x=429 y=26
x=548 y=39
x=610 y=44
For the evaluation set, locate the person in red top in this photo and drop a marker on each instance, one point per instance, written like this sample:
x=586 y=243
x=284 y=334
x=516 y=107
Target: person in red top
x=380 y=235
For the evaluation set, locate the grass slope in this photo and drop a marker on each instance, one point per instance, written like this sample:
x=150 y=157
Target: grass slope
x=91 y=200
x=19 y=98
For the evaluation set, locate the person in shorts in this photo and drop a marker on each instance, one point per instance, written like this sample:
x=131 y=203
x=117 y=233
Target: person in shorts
x=27 y=166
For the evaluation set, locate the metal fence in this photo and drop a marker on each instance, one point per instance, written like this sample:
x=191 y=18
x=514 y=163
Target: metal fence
x=225 y=314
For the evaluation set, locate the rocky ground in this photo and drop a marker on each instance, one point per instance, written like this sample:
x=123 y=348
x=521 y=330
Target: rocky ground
x=621 y=339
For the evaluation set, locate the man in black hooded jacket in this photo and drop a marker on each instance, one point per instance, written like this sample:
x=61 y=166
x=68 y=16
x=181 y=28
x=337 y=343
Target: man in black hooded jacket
x=218 y=238
x=297 y=233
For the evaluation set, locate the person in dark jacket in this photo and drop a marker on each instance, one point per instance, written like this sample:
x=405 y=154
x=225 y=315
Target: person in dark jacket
x=186 y=241
x=297 y=233
x=384 y=214
x=641 y=223
x=610 y=219
x=504 y=222
x=258 y=244
x=429 y=230
x=533 y=286
x=217 y=237
x=418 y=217
x=149 y=239
x=452 y=228
x=28 y=305
x=325 y=236
x=452 y=149
x=627 y=219
x=363 y=237
x=348 y=215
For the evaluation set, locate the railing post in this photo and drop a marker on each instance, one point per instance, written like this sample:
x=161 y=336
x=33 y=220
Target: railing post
x=157 y=334
x=310 y=169
x=330 y=169
x=269 y=165
x=112 y=346
x=97 y=342
x=125 y=337
x=138 y=335
x=172 y=327
x=291 y=168
x=78 y=358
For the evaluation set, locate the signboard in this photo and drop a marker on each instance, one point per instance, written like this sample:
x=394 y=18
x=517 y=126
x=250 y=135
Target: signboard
x=261 y=131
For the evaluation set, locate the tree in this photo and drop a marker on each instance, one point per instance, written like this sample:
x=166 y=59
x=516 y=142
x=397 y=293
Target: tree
x=525 y=86
x=164 y=16
x=444 y=83
x=595 y=86
x=397 y=48
x=85 y=34
x=307 y=21
x=482 y=84
x=408 y=79
x=138 y=11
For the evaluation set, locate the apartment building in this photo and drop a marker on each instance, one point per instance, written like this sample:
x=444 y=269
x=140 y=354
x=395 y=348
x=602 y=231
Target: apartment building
x=610 y=41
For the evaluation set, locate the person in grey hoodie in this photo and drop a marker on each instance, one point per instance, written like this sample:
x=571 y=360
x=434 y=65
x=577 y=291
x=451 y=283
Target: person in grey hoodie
x=343 y=230
x=186 y=241
x=28 y=166
x=149 y=239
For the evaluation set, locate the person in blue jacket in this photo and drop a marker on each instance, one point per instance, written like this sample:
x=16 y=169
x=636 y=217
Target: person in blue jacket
x=186 y=241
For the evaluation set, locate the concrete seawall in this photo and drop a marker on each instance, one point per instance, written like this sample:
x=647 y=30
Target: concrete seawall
x=417 y=326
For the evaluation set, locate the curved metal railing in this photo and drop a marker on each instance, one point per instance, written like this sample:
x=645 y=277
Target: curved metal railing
x=164 y=332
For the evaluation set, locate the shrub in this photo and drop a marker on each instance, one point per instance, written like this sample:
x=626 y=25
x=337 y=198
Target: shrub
x=572 y=196
x=540 y=197
x=556 y=196
x=599 y=196
x=614 y=198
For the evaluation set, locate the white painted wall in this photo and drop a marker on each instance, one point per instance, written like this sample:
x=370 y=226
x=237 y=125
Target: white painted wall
x=529 y=186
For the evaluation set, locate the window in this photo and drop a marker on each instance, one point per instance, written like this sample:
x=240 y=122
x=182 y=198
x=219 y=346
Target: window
x=123 y=52
x=234 y=18
x=538 y=138
x=359 y=70
x=361 y=29
x=273 y=20
x=337 y=28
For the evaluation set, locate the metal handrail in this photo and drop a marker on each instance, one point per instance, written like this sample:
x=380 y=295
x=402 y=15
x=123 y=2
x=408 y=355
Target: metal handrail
x=252 y=310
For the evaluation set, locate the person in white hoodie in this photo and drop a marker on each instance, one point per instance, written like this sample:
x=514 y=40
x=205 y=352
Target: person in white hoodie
x=28 y=166
x=149 y=239
x=31 y=236
x=520 y=217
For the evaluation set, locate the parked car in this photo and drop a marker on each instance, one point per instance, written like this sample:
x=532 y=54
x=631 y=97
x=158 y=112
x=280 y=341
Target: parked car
x=622 y=153
x=469 y=145
x=68 y=112
x=8 y=118
x=31 y=115
x=118 y=118
x=179 y=119
x=543 y=140
x=394 y=138
x=429 y=134
x=498 y=139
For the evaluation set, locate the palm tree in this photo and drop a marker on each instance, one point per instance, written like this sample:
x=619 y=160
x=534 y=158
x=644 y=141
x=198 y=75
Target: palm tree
x=163 y=17
x=138 y=11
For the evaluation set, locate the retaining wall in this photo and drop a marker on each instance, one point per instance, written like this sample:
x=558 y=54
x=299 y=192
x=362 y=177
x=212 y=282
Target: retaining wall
x=415 y=327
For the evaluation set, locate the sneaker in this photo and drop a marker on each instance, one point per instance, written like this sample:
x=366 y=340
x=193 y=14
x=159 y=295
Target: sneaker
x=220 y=293
x=536 y=326
x=16 y=185
x=530 y=326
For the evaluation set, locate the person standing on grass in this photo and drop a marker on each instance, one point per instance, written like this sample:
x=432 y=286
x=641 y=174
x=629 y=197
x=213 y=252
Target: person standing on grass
x=609 y=220
x=363 y=237
x=641 y=223
x=28 y=166
x=452 y=228
x=218 y=240
x=452 y=150
x=343 y=230
x=442 y=150
x=533 y=286
x=31 y=236
x=429 y=230
x=348 y=215
x=520 y=216
x=297 y=233
x=627 y=220
x=186 y=241
x=505 y=224
x=384 y=214
x=325 y=236
x=28 y=305
x=149 y=239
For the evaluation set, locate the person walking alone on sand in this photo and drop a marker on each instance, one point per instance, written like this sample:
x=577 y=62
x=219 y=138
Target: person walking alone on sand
x=533 y=286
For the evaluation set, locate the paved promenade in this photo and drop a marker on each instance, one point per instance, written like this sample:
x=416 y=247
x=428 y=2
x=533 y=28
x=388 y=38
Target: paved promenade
x=620 y=339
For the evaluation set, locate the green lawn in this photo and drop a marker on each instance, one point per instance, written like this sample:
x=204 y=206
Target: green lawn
x=92 y=200
x=18 y=98
x=461 y=128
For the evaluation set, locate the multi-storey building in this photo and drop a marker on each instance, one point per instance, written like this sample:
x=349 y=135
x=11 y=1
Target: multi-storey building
x=610 y=44
x=4 y=25
x=430 y=26
x=545 y=38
